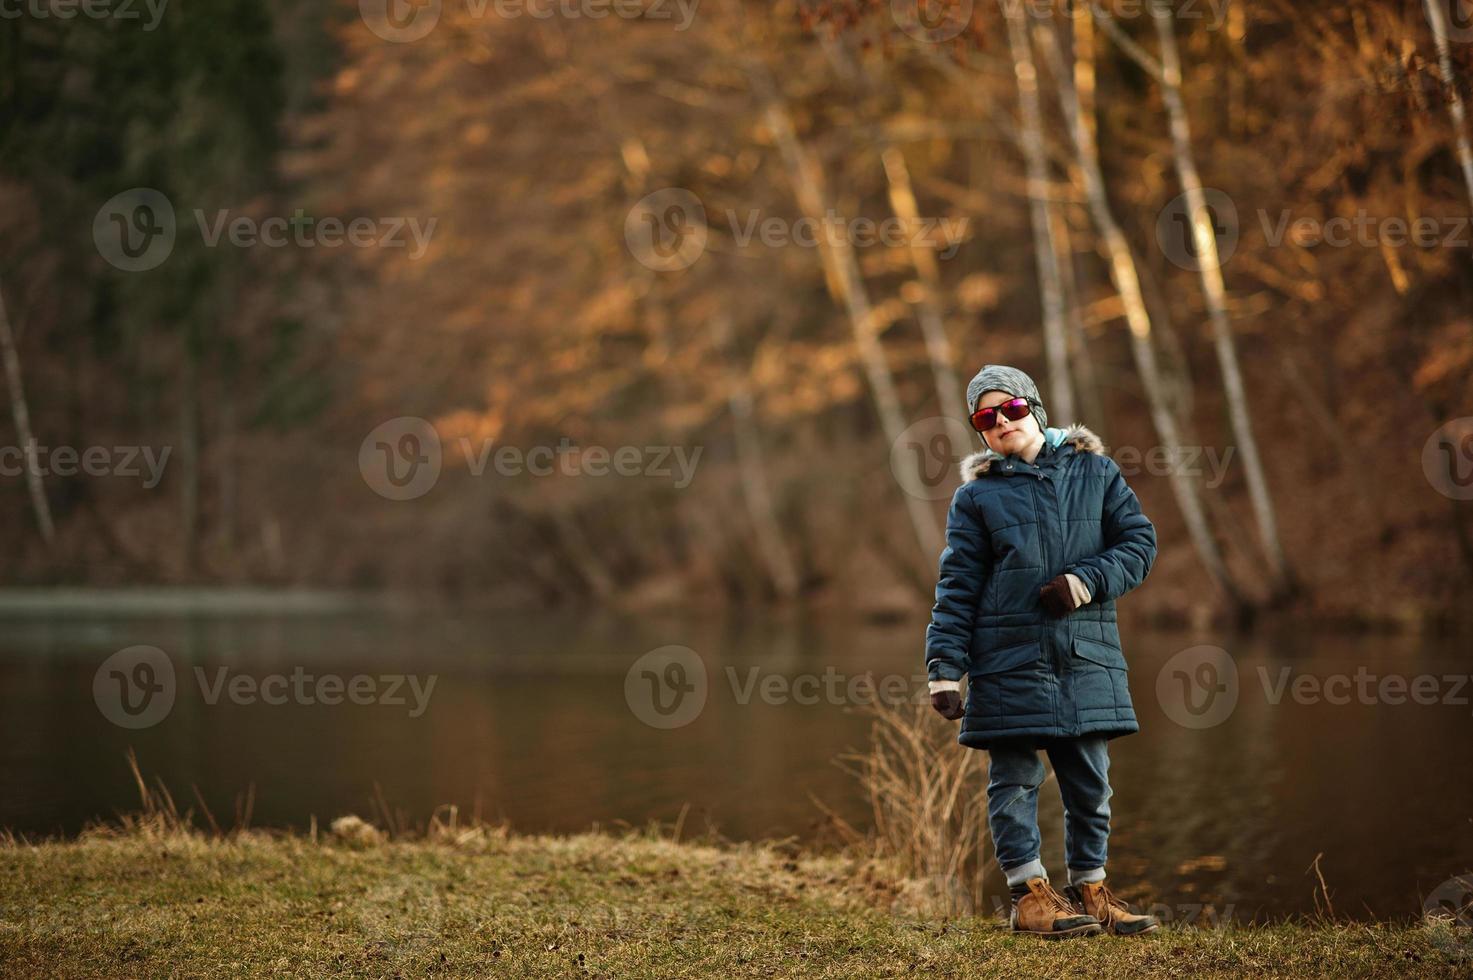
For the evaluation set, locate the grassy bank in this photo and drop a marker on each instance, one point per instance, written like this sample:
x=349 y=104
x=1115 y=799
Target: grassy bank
x=154 y=903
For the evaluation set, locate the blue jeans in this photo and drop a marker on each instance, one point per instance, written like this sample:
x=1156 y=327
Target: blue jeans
x=1083 y=769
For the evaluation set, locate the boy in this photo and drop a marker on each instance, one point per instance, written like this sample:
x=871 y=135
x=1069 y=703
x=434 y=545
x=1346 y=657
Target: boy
x=1042 y=537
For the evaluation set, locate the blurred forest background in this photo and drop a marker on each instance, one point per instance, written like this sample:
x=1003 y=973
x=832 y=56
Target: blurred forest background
x=1058 y=134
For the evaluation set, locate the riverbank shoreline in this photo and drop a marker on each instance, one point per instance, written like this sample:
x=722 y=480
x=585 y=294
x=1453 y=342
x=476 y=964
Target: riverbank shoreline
x=152 y=901
x=888 y=610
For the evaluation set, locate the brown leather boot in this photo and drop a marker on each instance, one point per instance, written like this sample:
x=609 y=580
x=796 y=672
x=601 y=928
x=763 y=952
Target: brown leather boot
x=1043 y=912
x=1094 y=898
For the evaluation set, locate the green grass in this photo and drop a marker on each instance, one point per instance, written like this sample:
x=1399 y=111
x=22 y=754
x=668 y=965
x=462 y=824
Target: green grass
x=147 y=902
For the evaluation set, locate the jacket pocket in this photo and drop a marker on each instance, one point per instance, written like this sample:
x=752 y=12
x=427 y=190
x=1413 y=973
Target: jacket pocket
x=1102 y=654
x=1008 y=658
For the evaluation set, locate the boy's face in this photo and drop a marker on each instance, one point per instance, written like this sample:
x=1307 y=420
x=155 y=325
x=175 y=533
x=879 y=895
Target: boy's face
x=1007 y=436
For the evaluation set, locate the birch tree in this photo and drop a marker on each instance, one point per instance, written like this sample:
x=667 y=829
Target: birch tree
x=1437 y=19
x=1046 y=254
x=21 y=413
x=1167 y=72
x=846 y=284
x=1124 y=277
x=756 y=491
x=949 y=392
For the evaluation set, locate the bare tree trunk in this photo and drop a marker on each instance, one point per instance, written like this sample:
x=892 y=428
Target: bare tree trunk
x=22 y=415
x=949 y=391
x=1081 y=361
x=189 y=460
x=755 y=488
x=846 y=284
x=1085 y=76
x=228 y=477
x=1127 y=283
x=1167 y=71
x=1180 y=388
x=1210 y=268
x=1437 y=18
x=1055 y=339
x=573 y=542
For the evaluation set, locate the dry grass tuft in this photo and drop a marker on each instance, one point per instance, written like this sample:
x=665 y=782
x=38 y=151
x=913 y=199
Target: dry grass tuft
x=927 y=796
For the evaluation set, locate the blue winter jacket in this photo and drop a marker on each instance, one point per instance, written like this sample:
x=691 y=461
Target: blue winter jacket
x=1012 y=527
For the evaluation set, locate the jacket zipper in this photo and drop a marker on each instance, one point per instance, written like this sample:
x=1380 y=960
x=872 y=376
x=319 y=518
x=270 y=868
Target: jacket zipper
x=1060 y=661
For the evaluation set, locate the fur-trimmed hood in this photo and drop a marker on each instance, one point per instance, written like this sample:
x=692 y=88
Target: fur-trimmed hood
x=1080 y=437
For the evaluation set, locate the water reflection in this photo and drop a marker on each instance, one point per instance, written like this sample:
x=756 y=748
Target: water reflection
x=529 y=720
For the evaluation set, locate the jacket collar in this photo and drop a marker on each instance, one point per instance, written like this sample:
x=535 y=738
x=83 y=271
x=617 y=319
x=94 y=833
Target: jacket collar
x=1077 y=437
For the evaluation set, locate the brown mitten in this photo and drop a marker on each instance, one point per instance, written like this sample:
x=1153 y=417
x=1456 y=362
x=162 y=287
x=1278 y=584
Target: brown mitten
x=1057 y=599
x=948 y=703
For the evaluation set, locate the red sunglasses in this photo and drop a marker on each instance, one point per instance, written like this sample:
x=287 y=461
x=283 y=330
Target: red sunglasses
x=986 y=418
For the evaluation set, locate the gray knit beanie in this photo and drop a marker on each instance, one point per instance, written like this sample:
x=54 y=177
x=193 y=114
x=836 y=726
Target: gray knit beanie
x=1000 y=377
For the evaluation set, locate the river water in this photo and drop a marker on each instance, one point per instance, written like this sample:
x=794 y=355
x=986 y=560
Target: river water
x=1355 y=749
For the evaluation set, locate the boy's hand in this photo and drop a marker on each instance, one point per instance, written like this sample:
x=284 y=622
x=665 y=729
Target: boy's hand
x=1062 y=595
x=948 y=703
x=946 y=698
